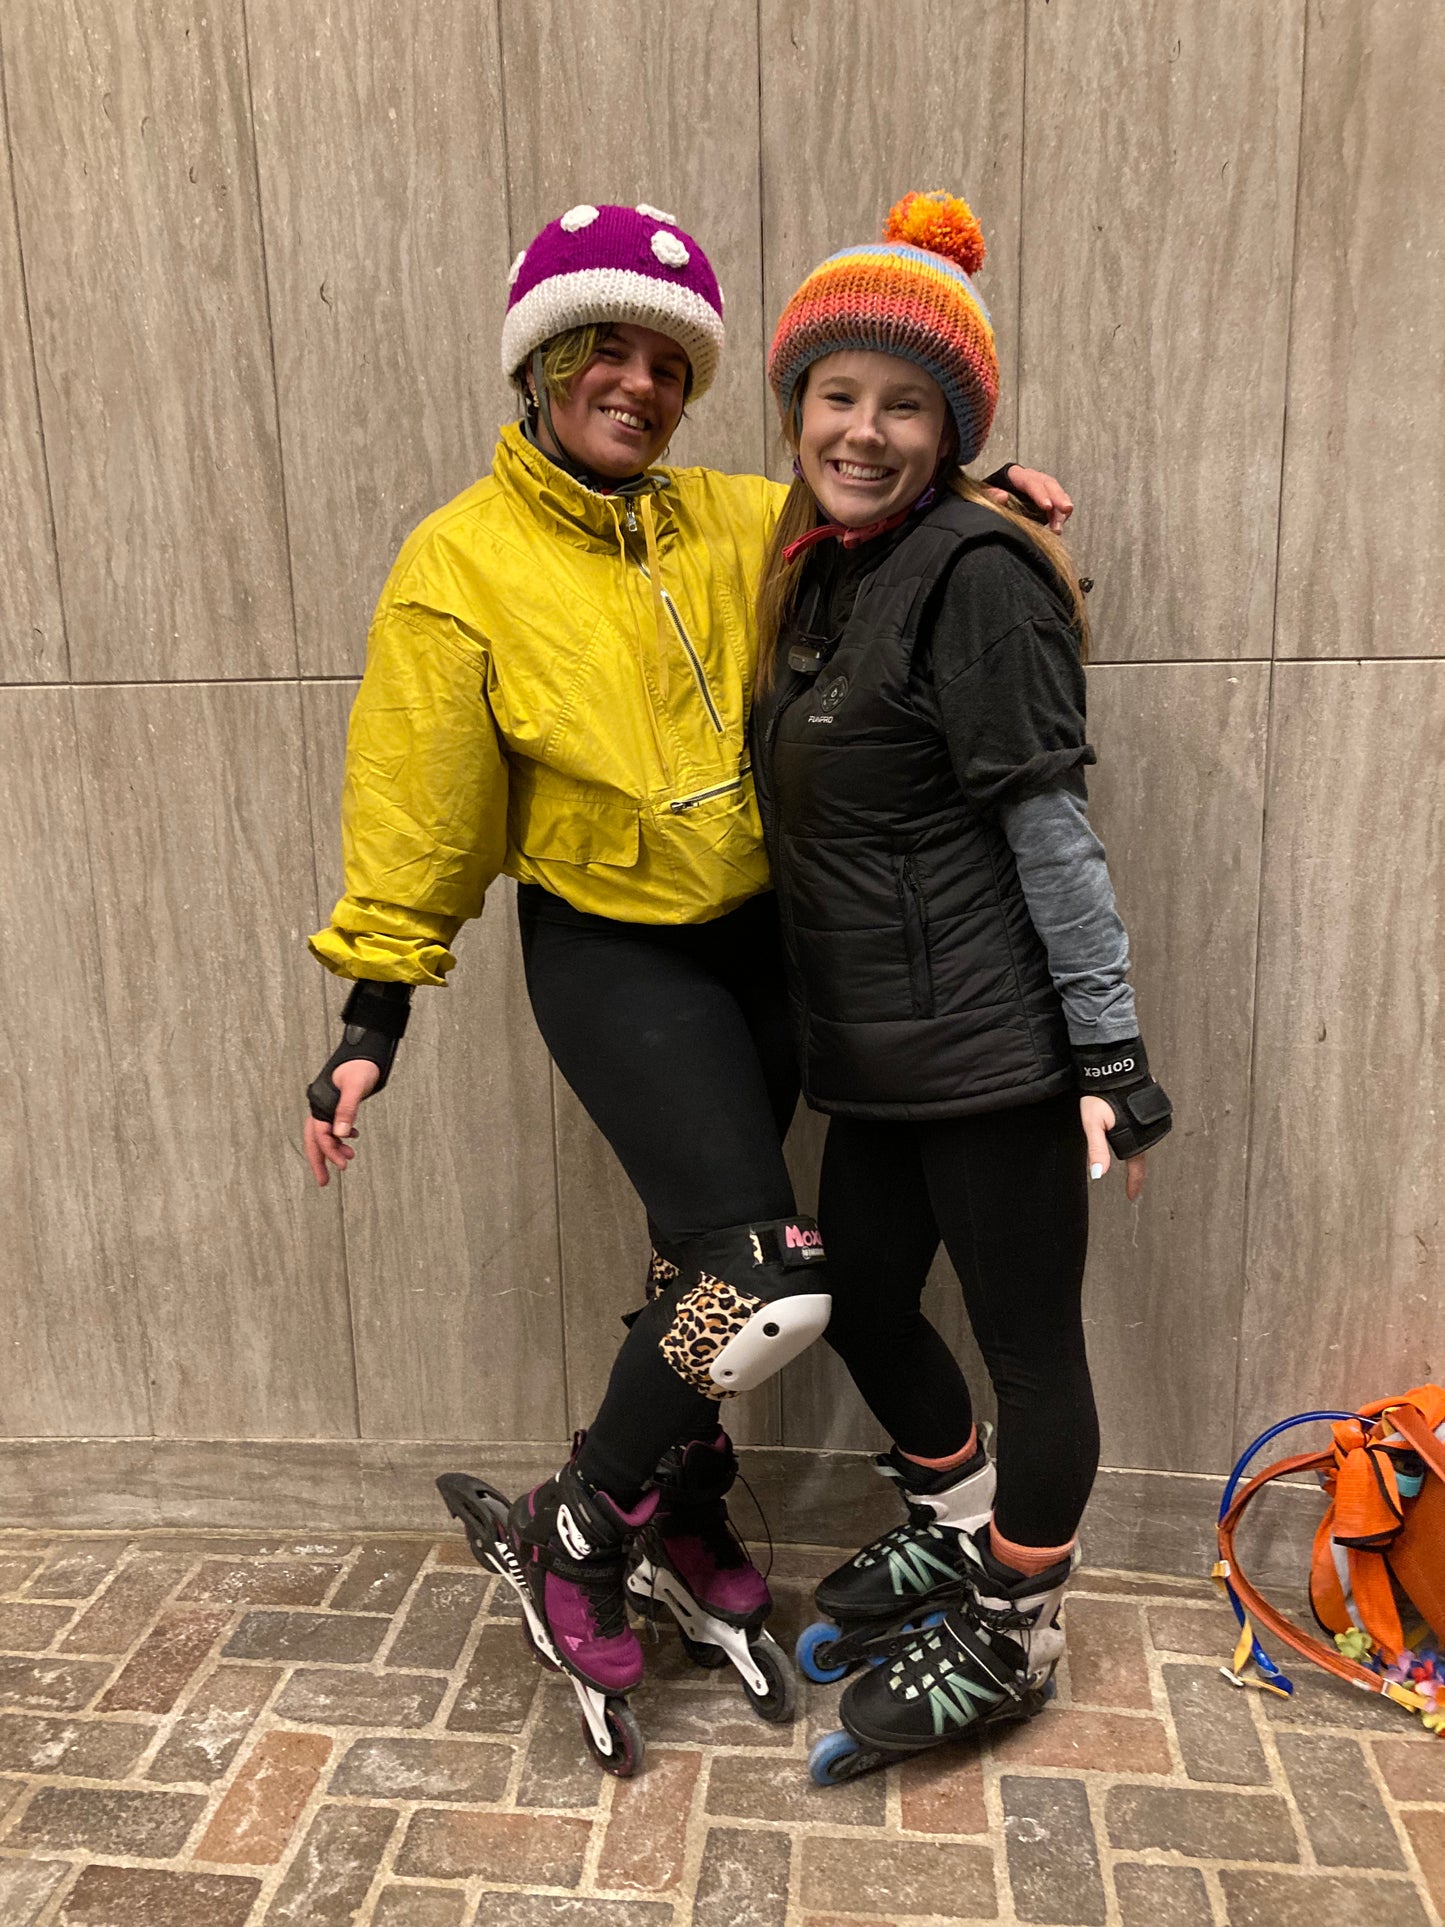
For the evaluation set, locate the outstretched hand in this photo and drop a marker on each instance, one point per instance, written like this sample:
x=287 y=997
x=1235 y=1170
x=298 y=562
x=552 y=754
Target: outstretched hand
x=1098 y=1117
x=1032 y=485
x=334 y=1143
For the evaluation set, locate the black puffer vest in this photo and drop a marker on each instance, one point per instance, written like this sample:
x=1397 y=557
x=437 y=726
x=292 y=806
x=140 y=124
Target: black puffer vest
x=920 y=986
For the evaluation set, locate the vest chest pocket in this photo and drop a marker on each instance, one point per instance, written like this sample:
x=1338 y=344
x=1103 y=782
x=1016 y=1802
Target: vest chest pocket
x=914 y=911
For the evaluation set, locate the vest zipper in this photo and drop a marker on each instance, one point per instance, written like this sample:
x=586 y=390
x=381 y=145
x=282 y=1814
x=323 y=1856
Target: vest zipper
x=706 y=796
x=915 y=937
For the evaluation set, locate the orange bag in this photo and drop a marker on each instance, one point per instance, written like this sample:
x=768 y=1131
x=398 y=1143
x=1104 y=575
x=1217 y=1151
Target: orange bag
x=1380 y=1546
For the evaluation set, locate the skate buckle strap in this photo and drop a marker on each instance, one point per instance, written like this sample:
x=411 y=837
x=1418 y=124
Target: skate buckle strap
x=983 y=1655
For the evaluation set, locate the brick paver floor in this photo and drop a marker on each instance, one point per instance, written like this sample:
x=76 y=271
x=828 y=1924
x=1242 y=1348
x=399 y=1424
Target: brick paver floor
x=230 y=1731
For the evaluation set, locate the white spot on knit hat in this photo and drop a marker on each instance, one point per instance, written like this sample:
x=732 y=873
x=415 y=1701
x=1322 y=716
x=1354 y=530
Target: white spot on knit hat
x=516 y=269
x=583 y=215
x=669 y=250
x=656 y=214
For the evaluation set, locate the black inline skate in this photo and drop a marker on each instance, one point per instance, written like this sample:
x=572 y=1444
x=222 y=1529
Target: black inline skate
x=562 y=1548
x=691 y=1561
x=913 y=1572
x=988 y=1661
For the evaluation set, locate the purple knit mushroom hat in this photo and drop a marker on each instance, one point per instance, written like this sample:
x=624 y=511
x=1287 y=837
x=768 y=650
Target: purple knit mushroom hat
x=630 y=264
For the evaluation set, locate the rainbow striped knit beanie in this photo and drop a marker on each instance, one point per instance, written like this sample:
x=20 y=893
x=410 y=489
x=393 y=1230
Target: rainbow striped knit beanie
x=910 y=294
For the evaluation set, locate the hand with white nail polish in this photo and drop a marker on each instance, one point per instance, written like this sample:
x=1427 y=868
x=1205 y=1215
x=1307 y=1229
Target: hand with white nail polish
x=1098 y=1118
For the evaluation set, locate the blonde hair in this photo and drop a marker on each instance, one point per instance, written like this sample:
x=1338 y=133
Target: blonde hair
x=563 y=359
x=778 y=589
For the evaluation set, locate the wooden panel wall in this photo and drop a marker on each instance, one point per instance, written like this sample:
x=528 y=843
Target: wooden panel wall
x=1346 y=1216
x=1159 y=189
x=204 y=885
x=379 y=143
x=136 y=185
x=1178 y=798
x=860 y=103
x=1364 y=494
x=252 y=262
x=74 y=1357
x=32 y=634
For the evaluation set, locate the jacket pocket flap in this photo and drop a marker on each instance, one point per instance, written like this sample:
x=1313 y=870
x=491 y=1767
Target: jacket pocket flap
x=570 y=823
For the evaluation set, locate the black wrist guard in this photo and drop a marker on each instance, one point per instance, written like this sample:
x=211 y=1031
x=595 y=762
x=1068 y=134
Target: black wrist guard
x=375 y=1016
x=1119 y=1073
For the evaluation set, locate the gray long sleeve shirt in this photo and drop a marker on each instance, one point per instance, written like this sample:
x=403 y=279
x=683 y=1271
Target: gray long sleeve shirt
x=1065 y=879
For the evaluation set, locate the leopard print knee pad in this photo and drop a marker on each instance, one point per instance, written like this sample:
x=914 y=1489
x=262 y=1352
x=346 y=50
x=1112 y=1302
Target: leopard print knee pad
x=661 y=1272
x=748 y=1309
x=706 y=1318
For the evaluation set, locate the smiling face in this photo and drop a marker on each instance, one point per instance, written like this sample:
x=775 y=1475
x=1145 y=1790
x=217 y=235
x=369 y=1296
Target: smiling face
x=873 y=427
x=620 y=411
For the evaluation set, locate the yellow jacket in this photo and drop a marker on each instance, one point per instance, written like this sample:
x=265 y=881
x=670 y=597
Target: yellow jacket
x=540 y=701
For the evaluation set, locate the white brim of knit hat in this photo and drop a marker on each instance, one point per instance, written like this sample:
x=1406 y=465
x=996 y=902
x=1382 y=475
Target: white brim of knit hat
x=615 y=294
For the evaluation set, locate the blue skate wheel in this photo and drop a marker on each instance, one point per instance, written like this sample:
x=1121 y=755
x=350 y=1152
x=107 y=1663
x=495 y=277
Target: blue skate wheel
x=821 y=1633
x=827 y=1763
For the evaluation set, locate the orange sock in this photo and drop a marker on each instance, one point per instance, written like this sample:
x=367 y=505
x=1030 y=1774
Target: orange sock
x=1025 y=1559
x=953 y=1459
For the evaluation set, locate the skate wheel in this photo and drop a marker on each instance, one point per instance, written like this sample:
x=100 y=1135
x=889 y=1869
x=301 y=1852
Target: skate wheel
x=829 y=1761
x=814 y=1652
x=710 y=1658
x=628 y=1746
x=778 y=1705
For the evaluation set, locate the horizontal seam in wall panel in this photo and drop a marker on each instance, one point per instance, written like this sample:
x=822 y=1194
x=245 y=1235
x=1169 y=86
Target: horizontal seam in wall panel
x=351 y=1441
x=1238 y=662
x=1095 y=662
x=192 y=682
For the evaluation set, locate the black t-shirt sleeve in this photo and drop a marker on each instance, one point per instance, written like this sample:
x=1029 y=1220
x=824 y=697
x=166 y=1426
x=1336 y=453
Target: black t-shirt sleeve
x=1004 y=662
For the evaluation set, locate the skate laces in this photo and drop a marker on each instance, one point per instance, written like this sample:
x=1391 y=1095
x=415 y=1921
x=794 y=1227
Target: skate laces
x=602 y=1583
x=939 y=1666
x=900 y=1541
x=762 y=1521
x=709 y=1521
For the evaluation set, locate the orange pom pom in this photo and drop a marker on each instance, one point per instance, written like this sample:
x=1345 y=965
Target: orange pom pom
x=941 y=223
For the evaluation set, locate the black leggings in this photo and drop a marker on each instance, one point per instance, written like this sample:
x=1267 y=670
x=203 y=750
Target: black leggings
x=1008 y=1195
x=676 y=1040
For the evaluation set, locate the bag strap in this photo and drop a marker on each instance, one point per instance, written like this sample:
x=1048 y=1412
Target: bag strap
x=1268 y=1616
x=1415 y=1429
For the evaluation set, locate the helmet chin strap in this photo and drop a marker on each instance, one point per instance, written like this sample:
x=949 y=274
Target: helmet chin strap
x=542 y=401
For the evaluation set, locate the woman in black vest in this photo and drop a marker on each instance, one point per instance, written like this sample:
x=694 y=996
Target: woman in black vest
x=958 y=971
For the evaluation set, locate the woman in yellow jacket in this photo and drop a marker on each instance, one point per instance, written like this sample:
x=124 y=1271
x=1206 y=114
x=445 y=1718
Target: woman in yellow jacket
x=557 y=686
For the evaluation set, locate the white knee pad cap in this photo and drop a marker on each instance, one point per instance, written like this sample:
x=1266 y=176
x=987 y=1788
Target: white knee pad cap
x=771 y=1339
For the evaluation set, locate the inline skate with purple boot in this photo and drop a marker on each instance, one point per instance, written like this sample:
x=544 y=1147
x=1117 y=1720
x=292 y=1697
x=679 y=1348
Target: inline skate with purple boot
x=691 y=1561
x=562 y=1548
